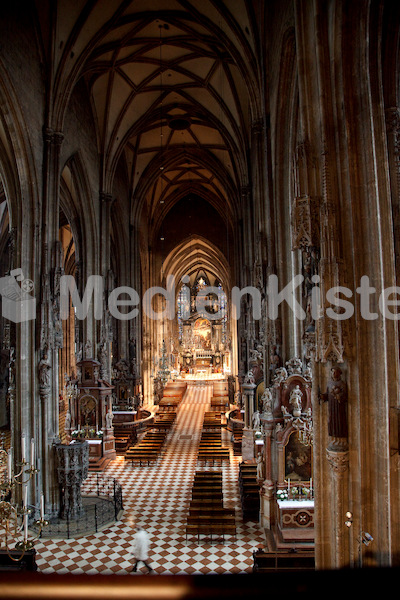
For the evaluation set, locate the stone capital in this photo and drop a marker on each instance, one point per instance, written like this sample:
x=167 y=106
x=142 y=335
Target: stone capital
x=338 y=460
x=52 y=137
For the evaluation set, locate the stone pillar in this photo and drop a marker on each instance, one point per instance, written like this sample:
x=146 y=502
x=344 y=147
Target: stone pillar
x=339 y=466
x=267 y=499
x=50 y=339
x=248 y=391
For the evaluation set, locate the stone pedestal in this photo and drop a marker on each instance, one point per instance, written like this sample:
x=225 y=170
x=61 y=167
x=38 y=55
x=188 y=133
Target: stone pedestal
x=267 y=505
x=248 y=444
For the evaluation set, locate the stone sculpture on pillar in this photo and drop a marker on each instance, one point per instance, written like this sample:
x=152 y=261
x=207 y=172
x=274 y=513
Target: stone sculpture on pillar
x=336 y=396
x=109 y=419
x=72 y=469
x=45 y=372
x=256 y=420
x=267 y=404
x=260 y=467
x=295 y=400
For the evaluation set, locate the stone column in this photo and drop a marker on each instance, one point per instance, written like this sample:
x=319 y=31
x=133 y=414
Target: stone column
x=50 y=340
x=248 y=391
x=339 y=466
x=267 y=500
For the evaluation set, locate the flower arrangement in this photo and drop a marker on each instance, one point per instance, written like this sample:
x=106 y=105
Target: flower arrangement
x=76 y=433
x=282 y=494
x=99 y=434
x=258 y=435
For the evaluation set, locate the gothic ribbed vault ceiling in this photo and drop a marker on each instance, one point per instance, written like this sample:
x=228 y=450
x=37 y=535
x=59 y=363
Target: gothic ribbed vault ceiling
x=173 y=85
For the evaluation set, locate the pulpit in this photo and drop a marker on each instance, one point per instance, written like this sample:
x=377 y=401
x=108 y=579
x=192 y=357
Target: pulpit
x=72 y=470
x=90 y=414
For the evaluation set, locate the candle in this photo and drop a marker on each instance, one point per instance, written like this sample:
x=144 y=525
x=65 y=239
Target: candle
x=32 y=453
x=288 y=485
x=42 y=505
x=25 y=496
x=311 y=485
x=23 y=448
x=26 y=528
x=9 y=464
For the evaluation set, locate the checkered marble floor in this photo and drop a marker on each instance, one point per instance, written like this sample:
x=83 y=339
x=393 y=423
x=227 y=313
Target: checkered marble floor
x=157 y=498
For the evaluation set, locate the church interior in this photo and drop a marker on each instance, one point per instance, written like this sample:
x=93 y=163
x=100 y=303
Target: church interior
x=199 y=255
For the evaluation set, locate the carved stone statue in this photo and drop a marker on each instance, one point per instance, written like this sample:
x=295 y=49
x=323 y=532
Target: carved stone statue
x=109 y=419
x=267 y=403
x=249 y=377
x=280 y=375
x=274 y=362
x=336 y=395
x=294 y=366
x=295 y=400
x=256 y=420
x=88 y=349
x=103 y=359
x=308 y=373
x=45 y=372
x=260 y=466
x=67 y=424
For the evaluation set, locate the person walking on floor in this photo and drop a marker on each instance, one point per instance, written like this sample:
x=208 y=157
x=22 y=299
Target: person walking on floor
x=141 y=549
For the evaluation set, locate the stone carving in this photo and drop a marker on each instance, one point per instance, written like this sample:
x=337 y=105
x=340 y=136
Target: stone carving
x=249 y=379
x=247 y=444
x=274 y=362
x=338 y=460
x=88 y=349
x=72 y=469
x=45 y=372
x=256 y=420
x=68 y=419
x=280 y=375
x=295 y=400
x=109 y=419
x=267 y=404
x=122 y=371
x=294 y=366
x=256 y=356
x=307 y=373
x=336 y=396
x=103 y=360
x=260 y=467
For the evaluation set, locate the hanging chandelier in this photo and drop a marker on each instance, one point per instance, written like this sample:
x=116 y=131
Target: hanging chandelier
x=14 y=516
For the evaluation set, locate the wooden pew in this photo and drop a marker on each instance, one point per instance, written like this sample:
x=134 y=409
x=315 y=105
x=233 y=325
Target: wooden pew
x=281 y=560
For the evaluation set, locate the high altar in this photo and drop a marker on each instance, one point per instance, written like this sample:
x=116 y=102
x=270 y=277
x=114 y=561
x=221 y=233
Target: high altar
x=90 y=414
x=202 y=349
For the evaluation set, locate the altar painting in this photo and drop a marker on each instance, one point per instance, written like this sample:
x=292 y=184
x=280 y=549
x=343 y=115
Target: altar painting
x=202 y=334
x=297 y=459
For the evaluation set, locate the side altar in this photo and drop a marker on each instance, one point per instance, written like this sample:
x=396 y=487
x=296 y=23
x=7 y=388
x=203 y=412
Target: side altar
x=287 y=504
x=90 y=415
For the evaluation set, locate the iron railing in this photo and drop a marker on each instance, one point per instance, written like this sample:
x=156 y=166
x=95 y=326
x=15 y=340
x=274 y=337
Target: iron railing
x=101 y=506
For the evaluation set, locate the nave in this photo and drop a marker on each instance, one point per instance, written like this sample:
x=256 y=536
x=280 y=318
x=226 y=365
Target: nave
x=157 y=498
